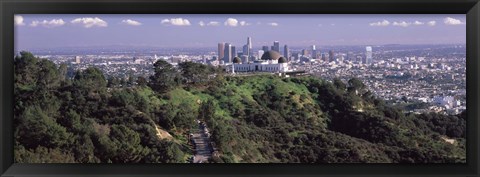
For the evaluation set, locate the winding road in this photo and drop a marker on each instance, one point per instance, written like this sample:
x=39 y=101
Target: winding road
x=202 y=144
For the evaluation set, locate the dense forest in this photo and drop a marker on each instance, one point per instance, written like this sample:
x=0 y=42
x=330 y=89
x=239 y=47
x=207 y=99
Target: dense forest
x=64 y=116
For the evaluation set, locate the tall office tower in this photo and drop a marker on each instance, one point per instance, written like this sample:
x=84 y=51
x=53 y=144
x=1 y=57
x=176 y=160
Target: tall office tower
x=368 y=55
x=331 y=55
x=221 y=50
x=245 y=50
x=265 y=48
x=324 y=57
x=77 y=59
x=234 y=53
x=227 y=54
x=350 y=56
x=314 y=52
x=304 y=52
x=276 y=46
x=260 y=53
x=286 y=52
x=249 y=43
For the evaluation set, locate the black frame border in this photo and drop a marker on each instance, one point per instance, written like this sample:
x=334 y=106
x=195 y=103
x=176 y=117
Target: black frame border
x=10 y=7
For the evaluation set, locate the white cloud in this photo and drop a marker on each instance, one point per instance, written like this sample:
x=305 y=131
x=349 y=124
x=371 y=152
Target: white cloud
x=402 y=24
x=452 y=21
x=131 y=22
x=431 y=23
x=273 y=24
x=418 y=23
x=89 y=22
x=234 y=22
x=165 y=21
x=48 y=24
x=18 y=19
x=231 y=22
x=213 y=23
x=244 y=23
x=176 y=22
x=382 y=23
x=333 y=24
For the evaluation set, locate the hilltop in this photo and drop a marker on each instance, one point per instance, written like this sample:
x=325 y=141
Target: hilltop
x=260 y=118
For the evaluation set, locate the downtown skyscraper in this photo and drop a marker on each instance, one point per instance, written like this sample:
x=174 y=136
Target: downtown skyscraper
x=265 y=48
x=331 y=55
x=276 y=46
x=245 y=52
x=286 y=52
x=247 y=48
x=227 y=54
x=249 y=44
x=221 y=50
x=314 y=52
x=368 y=55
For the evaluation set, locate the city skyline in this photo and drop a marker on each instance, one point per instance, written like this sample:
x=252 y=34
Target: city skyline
x=32 y=31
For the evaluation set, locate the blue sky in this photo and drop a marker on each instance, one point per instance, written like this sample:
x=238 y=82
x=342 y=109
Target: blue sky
x=34 y=31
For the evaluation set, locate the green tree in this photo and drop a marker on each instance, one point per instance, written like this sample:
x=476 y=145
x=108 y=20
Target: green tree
x=141 y=81
x=164 y=78
x=90 y=82
x=339 y=84
x=166 y=115
x=195 y=72
x=122 y=98
x=127 y=141
x=113 y=82
x=37 y=129
x=35 y=79
x=63 y=70
x=206 y=110
x=25 y=71
x=72 y=121
x=84 y=149
x=165 y=152
x=42 y=155
x=356 y=86
x=48 y=77
x=131 y=79
x=185 y=116
x=222 y=135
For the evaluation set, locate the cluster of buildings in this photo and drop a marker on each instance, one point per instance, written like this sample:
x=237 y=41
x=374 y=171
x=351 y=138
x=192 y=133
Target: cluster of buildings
x=227 y=52
x=120 y=66
x=438 y=83
x=264 y=60
x=446 y=101
x=433 y=75
x=270 y=58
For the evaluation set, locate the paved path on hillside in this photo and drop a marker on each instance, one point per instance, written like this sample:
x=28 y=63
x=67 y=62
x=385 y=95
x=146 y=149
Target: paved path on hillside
x=201 y=140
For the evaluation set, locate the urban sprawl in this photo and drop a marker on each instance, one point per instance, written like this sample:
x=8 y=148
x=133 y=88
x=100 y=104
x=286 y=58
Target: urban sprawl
x=429 y=78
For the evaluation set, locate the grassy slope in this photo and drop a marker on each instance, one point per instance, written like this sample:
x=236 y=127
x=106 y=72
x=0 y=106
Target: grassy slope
x=244 y=88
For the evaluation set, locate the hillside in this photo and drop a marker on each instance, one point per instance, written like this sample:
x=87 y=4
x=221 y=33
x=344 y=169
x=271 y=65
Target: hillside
x=271 y=119
x=260 y=119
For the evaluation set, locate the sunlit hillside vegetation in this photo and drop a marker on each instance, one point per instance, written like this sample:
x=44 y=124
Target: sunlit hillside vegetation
x=67 y=116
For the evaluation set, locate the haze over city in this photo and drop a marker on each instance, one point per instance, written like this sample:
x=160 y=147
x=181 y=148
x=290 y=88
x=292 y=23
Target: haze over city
x=34 y=31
